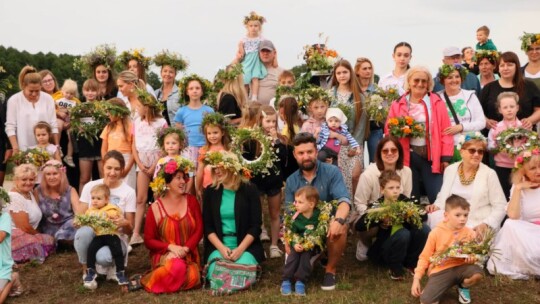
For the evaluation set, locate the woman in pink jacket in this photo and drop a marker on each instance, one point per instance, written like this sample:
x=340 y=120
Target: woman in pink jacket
x=427 y=156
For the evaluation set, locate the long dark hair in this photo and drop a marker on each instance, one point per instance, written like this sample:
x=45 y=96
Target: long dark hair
x=354 y=86
x=518 y=81
x=405 y=44
x=378 y=159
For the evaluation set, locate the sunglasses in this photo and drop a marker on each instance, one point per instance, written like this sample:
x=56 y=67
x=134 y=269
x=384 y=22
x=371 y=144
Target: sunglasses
x=390 y=150
x=473 y=151
x=422 y=81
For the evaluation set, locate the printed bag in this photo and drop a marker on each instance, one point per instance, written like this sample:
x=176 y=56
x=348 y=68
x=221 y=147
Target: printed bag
x=230 y=277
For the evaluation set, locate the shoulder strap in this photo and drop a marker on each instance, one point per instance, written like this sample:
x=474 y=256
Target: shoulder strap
x=451 y=107
x=161 y=208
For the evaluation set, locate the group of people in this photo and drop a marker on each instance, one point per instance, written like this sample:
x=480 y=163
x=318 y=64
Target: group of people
x=207 y=183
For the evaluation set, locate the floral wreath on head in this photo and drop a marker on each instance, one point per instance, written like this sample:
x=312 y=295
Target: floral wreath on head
x=254 y=17
x=229 y=73
x=286 y=91
x=114 y=110
x=135 y=54
x=447 y=69
x=103 y=54
x=172 y=59
x=216 y=119
x=525 y=156
x=227 y=160
x=265 y=161
x=148 y=99
x=53 y=163
x=463 y=138
x=312 y=93
x=504 y=141
x=529 y=39
x=491 y=56
x=4 y=199
x=169 y=166
x=183 y=84
x=162 y=133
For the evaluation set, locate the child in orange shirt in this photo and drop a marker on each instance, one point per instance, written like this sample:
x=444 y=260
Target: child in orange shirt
x=462 y=271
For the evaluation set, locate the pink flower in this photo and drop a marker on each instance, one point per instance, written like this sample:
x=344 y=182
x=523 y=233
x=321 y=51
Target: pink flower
x=171 y=167
x=519 y=159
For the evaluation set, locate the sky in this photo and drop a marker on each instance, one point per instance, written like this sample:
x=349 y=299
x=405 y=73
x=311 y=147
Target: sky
x=207 y=32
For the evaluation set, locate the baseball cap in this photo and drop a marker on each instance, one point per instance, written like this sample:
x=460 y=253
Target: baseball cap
x=451 y=51
x=266 y=45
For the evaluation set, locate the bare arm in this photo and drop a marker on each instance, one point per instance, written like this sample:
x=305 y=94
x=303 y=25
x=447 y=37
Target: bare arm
x=22 y=222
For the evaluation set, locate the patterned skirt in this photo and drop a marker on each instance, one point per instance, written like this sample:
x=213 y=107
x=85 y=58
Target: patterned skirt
x=30 y=247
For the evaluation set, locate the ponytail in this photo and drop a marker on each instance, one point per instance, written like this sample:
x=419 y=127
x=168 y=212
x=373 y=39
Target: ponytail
x=29 y=75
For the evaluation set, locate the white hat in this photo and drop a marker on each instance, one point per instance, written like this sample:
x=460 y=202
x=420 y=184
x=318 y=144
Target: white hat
x=451 y=51
x=337 y=113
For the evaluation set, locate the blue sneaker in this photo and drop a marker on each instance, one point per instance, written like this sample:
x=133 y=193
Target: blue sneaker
x=464 y=295
x=121 y=278
x=299 y=288
x=286 y=288
x=90 y=279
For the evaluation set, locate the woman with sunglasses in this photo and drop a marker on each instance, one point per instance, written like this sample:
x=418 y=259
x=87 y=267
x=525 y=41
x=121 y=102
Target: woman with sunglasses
x=475 y=182
x=388 y=156
x=429 y=155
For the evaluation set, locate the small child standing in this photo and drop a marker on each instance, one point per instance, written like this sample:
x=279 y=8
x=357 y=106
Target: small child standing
x=317 y=107
x=44 y=139
x=328 y=143
x=461 y=270
x=399 y=246
x=484 y=43
x=508 y=106
x=66 y=99
x=102 y=207
x=298 y=264
x=172 y=142
x=248 y=54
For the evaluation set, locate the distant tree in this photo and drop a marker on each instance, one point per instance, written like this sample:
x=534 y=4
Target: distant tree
x=153 y=80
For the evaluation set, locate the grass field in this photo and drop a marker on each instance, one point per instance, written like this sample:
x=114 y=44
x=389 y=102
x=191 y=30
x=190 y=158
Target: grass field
x=58 y=280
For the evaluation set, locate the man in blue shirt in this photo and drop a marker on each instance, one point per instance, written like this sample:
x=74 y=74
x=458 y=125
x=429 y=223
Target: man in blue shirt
x=329 y=182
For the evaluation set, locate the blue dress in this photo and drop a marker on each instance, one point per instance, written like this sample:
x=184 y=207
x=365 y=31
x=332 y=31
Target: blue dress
x=58 y=215
x=251 y=64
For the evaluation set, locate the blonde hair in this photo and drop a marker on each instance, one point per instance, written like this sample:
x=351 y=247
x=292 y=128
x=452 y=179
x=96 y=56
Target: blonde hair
x=62 y=187
x=359 y=63
x=418 y=69
x=250 y=117
x=512 y=95
x=101 y=188
x=230 y=175
x=519 y=175
x=236 y=88
x=130 y=77
x=24 y=170
x=29 y=75
x=70 y=86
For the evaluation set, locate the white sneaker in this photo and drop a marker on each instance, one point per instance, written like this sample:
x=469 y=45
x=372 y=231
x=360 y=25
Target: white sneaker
x=275 y=252
x=361 y=251
x=264 y=235
x=111 y=274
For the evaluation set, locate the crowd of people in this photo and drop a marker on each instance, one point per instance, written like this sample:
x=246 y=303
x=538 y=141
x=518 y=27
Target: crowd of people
x=170 y=167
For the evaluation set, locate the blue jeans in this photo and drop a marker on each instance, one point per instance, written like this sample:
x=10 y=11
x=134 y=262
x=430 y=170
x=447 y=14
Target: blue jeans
x=424 y=181
x=83 y=238
x=373 y=140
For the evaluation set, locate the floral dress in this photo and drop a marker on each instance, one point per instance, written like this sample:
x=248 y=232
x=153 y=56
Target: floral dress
x=58 y=215
x=252 y=65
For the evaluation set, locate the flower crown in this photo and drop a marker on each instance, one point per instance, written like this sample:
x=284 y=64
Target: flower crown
x=4 y=199
x=53 y=163
x=148 y=99
x=169 y=166
x=216 y=119
x=491 y=56
x=254 y=17
x=529 y=39
x=227 y=160
x=315 y=93
x=114 y=109
x=136 y=54
x=447 y=69
x=162 y=133
x=183 y=84
x=174 y=60
x=102 y=55
x=470 y=136
x=525 y=157
x=231 y=72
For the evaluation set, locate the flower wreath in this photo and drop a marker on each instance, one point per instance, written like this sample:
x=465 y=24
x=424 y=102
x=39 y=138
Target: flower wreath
x=228 y=161
x=88 y=119
x=446 y=69
x=163 y=132
x=504 y=141
x=254 y=17
x=463 y=138
x=53 y=163
x=99 y=224
x=4 y=199
x=525 y=157
x=113 y=109
x=169 y=166
x=34 y=156
x=217 y=119
x=491 y=56
x=230 y=73
x=265 y=161
x=102 y=55
x=377 y=107
x=172 y=59
x=182 y=87
x=136 y=54
x=149 y=100
x=312 y=237
x=286 y=91
x=396 y=213
x=529 y=39
x=310 y=94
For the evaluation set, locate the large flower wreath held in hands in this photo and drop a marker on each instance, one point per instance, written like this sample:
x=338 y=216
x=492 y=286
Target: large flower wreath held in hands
x=88 y=119
x=513 y=141
x=34 y=156
x=169 y=167
x=265 y=161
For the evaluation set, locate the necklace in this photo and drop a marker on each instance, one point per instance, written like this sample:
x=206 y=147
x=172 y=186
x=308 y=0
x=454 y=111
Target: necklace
x=466 y=181
x=25 y=195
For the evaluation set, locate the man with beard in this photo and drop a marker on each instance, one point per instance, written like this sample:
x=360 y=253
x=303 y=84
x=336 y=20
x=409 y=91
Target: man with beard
x=329 y=182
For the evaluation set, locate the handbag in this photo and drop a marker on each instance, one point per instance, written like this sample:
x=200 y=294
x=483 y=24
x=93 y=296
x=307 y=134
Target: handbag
x=229 y=277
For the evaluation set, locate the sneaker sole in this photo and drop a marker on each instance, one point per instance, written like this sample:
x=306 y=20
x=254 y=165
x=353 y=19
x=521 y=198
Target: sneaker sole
x=463 y=301
x=328 y=288
x=91 y=285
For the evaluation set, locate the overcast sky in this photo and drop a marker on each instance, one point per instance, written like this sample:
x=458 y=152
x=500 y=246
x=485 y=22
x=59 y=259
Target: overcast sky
x=207 y=32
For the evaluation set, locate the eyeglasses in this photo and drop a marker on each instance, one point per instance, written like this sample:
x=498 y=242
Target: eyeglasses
x=389 y=151
x=418 y=80
x=47 y=81
x=473 y=151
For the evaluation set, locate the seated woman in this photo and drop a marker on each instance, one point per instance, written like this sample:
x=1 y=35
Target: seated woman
x=474 y=181
x=231 y=214
x=27 y=244
x=172 y=231
x=58 y=201
x=518 y=242
x=121 y=195
x=388 y=157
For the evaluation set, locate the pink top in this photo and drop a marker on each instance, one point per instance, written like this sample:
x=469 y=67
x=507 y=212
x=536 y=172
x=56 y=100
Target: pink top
x=312 y=126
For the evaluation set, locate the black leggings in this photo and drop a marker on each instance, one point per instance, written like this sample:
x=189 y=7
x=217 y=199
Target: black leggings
x=111 y=240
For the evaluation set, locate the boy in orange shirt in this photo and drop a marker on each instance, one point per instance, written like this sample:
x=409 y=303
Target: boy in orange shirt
x=455 y=271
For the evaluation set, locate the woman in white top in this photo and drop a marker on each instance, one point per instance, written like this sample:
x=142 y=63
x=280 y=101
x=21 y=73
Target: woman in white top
x=402 y=57
x=26 y=108
x=121 y=195
x=27 y=244
x=128 y=82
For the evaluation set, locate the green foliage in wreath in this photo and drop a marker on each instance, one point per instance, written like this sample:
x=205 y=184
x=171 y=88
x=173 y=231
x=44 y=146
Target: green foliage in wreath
x=513 y=141
x=34 y=156
x=88 y=119
x=262 y=164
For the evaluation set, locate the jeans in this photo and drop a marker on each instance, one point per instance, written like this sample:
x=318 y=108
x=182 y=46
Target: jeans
x=373 y=140
x=424 y=179
x=83 y=238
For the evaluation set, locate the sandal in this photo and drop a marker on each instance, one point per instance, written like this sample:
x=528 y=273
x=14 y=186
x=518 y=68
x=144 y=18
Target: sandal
x=135 y=283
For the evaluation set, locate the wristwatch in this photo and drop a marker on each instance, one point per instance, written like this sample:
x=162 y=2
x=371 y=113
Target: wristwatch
x=340 y=220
